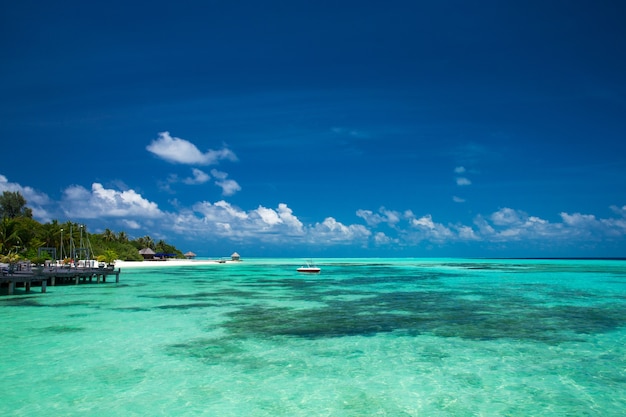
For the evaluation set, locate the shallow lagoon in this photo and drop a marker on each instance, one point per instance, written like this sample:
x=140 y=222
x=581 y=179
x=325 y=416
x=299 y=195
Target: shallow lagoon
x=387 y=337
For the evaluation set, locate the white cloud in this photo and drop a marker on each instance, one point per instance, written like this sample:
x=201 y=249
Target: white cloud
x=35 y=200
x=166 y=185
x=619 y=210
x=222 y=220
x=458 y=199
x=508 y=225
x=425 y=221
x=412 y=229
x=219 y=174
x=131 y=224
x=229 y=187
x=31 y=196
x=459 y=170
x=589 y=226
x=484 y=228
x=514 y=225
x=463 y=181
x=578 y=219
x=199 y=177
x=381 y=239
x=467 y=233
x=389 y=217
x=181 y=151
x=372 y=219
x=393 y=217
x=78 y=202
x=268 y=216
x=507 y=216
x=281 y=219
x=220 y=211
x=429 y=230
x=332 y=231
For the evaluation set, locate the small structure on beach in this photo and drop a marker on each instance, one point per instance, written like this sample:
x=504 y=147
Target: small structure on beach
x=147 y=253
x=190 y=255
x=235 y=257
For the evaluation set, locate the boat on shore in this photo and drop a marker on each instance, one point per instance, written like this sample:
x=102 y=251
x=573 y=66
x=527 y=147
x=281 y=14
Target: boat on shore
x=310 y=268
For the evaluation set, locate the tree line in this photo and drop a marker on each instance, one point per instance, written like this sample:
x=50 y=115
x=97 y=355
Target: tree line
x=22 y=237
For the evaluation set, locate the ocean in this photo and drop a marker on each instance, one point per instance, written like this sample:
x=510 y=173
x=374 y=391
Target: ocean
x=365 y=337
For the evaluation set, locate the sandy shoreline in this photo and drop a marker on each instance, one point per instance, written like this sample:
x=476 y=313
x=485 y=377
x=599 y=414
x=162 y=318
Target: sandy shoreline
x=168 y=263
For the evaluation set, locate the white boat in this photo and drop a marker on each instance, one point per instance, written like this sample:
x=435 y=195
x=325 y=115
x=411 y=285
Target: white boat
x=309 y=268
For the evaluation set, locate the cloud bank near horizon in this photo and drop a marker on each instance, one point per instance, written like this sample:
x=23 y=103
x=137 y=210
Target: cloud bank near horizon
x=101 y=207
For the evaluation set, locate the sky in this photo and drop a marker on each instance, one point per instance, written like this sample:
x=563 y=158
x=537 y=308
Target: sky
x=322 y=128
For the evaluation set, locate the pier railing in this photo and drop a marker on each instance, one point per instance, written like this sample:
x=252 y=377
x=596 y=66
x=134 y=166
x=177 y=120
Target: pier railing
x=55 y=275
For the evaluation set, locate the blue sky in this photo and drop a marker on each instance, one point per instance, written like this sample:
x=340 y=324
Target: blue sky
x=315 y=128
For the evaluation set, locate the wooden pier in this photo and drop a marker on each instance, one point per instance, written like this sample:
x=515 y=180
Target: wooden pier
x=56 y=275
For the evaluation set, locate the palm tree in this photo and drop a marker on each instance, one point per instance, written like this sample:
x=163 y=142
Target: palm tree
x=122 y=237
x=9 y=236
x=146 y=242
x=108 y=235
x=109 y=256
x=161 y=246
x=49 y=234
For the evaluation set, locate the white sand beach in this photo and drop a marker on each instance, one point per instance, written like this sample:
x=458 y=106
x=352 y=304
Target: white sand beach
x=169 y=262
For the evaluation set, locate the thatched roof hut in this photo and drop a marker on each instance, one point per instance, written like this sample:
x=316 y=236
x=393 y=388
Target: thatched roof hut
x=190 y=255
x=147 y=253
x=235 y=257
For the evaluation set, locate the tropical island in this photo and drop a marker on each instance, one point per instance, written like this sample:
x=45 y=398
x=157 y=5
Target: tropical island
x=23 y=238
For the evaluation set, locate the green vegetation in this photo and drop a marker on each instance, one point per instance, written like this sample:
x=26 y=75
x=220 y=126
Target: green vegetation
x=13 y=204
x=22 y=237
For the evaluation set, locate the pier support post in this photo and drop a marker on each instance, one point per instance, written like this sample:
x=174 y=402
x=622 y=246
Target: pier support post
x=117 y=277
x=27 y=286
x=11 y=287
x=43 y=285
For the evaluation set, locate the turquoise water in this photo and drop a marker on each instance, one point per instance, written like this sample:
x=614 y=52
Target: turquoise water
x=366 y=337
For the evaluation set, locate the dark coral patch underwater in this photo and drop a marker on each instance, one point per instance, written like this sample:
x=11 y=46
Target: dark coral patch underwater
x=435 y=312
